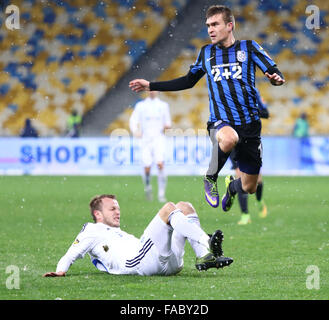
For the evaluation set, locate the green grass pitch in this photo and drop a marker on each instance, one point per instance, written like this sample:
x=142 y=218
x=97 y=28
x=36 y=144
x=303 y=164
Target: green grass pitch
x=273 y=257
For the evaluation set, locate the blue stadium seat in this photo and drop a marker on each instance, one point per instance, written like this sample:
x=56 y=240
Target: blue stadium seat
x=69 y=53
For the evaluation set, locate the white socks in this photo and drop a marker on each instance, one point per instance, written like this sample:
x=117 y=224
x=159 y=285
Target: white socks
x=199 y=249
x=162 y=182
x=189 y=227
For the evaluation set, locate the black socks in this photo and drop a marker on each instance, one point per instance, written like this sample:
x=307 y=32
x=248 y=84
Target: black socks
x=243 y=201
x=259 y=191
x=236 y=187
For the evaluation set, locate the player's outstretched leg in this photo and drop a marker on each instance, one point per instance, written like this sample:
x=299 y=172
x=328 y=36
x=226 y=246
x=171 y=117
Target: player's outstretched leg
x=227 y=200
x=211 y=192
x=214 y=259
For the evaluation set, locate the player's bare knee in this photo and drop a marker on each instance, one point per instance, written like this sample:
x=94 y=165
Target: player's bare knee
x=166 y=210
x=228 y=141
x=230 y=144
x=185 y=207
x=249 y=188
x=252 y=189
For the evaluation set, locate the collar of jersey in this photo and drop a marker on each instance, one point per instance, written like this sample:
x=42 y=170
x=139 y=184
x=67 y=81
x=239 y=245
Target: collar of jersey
x=107 y=226
x=232 y=45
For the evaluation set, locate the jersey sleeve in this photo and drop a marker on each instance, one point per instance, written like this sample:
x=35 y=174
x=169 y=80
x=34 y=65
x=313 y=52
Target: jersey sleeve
x=261 y=57
x=82 y=244
x=197 y=67
x=188 y=81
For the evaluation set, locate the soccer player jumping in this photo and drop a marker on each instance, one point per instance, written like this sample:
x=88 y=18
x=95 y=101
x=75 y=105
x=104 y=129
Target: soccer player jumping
x=234 y=121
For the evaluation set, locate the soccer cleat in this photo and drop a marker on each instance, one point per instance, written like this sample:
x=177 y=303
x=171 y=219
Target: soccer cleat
x=262 y=209
x=245 y=219
x=211 y=192
x=210 y=261
x=215 y=243
x=227 y=200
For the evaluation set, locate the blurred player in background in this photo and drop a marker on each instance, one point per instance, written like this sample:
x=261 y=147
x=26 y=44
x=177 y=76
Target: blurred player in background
x=29 y=131
x=243 y=197
x=149 y=120
x=74 y=124
x=159 y=251
x=301 y=127
x=234 y=121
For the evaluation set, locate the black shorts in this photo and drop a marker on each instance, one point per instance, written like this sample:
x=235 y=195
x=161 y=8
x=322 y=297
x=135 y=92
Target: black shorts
x=233 y=160
x=248 y=151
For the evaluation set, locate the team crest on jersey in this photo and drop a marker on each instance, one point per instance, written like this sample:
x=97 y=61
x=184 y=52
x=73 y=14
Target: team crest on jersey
x=241 y=56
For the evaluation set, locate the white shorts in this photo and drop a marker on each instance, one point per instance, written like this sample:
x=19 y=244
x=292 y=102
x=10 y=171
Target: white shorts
x=153 y=150
x=161 y=252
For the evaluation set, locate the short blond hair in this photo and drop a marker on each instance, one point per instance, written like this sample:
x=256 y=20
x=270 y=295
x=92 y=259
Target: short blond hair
x=97 y=204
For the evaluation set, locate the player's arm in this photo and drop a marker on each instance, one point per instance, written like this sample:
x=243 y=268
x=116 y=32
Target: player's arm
x=186 y=82
x=55 y=274
x=65 y=262
x=62 y=267
x=266 y=64
x=77 y=250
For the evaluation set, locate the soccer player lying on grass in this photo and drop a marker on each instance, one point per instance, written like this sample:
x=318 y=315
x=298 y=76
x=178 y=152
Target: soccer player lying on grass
x=159 y=251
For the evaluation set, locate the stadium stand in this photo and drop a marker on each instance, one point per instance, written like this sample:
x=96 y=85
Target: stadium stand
x=301 y=54
x=67 y=54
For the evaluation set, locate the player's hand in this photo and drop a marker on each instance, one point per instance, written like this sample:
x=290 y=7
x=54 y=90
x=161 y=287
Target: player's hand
x=139 y=85
x=275 y=79
x=55 y=274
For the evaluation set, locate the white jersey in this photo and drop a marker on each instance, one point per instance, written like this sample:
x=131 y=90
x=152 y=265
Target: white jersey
x=118 y=252
x=108 y=247
x=150 y=117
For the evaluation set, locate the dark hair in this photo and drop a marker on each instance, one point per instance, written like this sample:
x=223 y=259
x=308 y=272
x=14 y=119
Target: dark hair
x=96 y=203
x=225 y=11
